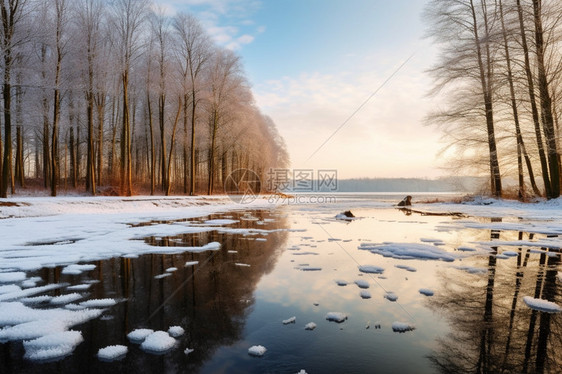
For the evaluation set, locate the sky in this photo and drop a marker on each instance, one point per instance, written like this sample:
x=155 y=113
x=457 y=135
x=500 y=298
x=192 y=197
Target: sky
x=344 y=80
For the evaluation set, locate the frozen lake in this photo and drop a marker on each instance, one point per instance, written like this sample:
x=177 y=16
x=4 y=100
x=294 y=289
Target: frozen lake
x=413 y=292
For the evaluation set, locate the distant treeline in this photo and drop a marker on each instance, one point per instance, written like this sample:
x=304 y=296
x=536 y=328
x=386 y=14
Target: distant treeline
x=446 y=184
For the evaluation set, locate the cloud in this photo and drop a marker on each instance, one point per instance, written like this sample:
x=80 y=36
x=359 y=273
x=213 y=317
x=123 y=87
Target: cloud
x=228 y=22
x=385 y=138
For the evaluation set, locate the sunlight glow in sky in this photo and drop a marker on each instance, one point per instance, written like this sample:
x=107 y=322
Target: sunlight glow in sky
x=312 y=63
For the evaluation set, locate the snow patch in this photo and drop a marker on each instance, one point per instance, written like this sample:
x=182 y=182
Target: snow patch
x=407 y=251
x=257 y=350
x=426 y=291
x=176 y=331
x=289 y=320
x=158 y=342
x=402 y=327
x=371 y=269
x=138 y=335
x=112 y=352
x=310 y=326
x=338 y=317
x=362 y=283
x=542 y=305
x=98 y=303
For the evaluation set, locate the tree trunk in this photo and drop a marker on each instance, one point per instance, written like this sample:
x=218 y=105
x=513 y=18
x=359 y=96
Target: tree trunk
x=521 y=150
x=90 y=161
x=212 y=153
x=185 y=142
x=19 y=158
x=534 y=109
x=100 y=107
x=72 y=151
x=152 y=148
x=485 y=79
x=161 y=123
x=546 y=105
x=125 y=171
x=7 y=162
x=193 y=108
x=172 y=142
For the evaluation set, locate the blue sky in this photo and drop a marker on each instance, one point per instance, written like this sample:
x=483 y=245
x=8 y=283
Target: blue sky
x=312 y=63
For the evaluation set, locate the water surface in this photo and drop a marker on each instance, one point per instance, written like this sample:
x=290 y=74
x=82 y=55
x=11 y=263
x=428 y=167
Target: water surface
x=287 y=265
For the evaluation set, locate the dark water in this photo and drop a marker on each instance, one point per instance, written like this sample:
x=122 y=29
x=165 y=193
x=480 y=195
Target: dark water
x=473 y=323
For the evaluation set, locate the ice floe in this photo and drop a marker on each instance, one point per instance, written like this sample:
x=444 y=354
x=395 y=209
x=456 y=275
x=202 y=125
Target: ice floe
x=409 y=251
x=191 y=263
x=406 y=267
x=220 y=222
x=371 y=269
x=391 y=296
x=310 y=326
x=98 y=303
x=257 y=350
x=362 y=283
x=138 y=335
x=15 y=276
x=80 y=287
x=365 y=294
x=176 y=331
x=289 y=320
x=76 y=269
x=158 y=342
x=472 y=269
x=31 y=291
x=112 y=352
x=65 y=299
x=341 y=283
x=426 y=291
x=309 y=268
x=338 y=317
x=542 y=305
x=402 y=327
x=52 y=346
x=163 y=275
x=9 y=288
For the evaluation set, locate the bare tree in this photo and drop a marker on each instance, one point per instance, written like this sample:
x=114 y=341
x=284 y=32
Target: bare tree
x=546 y=103
x=521 y=149
x=60 y=51
x=193 y=54
x=128 y=18
x=89 y=21
x=464 y=32
x=12 y=16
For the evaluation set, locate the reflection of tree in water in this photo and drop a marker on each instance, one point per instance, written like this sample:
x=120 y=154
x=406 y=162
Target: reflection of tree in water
x=210 y=301
x=492 y=330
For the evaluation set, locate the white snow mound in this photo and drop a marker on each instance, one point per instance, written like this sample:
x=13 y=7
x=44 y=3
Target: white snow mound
x=158 y=342
x=112 y=352
x=257 y=350
x=542 y=305
x=338 y=317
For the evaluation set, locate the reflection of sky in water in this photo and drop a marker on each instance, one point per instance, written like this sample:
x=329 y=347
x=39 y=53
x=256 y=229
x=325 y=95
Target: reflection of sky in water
x=226 y=308
x=350 y=346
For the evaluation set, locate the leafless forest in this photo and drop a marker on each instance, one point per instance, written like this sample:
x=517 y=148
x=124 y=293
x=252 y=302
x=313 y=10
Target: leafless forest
x=119 y=97
x=500 y=70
